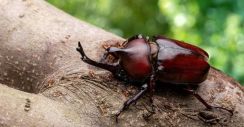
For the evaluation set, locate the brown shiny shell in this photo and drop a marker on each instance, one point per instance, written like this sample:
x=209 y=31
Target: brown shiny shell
x=135 y=58
x=180 y=63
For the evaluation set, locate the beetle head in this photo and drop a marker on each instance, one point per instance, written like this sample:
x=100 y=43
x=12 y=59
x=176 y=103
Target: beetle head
x=134 y=57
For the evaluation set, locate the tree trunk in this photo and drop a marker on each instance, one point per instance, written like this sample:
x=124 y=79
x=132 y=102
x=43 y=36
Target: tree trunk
x=44 y=82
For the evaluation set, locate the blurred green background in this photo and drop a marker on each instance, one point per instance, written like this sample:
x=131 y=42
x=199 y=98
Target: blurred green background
x=215 y=25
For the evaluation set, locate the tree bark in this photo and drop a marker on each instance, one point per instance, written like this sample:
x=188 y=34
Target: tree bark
x=44 y=82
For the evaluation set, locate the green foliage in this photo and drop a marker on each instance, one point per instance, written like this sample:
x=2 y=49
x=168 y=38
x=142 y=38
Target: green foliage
x=215 y=25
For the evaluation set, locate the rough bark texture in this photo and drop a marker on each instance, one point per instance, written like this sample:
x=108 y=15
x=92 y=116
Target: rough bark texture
x=44 y=82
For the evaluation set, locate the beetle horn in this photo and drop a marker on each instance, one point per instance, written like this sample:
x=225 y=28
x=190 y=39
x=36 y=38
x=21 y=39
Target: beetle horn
x=114 y=49
x=111 y=68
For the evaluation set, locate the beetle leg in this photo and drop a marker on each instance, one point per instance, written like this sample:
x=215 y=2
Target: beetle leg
x=133 y=99
x=111 y=68
x=205 y=103
x=152 y=90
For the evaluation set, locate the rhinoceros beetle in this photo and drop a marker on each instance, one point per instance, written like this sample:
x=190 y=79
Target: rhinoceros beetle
x=160 y=59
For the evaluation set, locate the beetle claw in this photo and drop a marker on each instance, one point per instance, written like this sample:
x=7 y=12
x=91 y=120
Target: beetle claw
x=228 y=110
x=116 y=116
x=125 y=106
